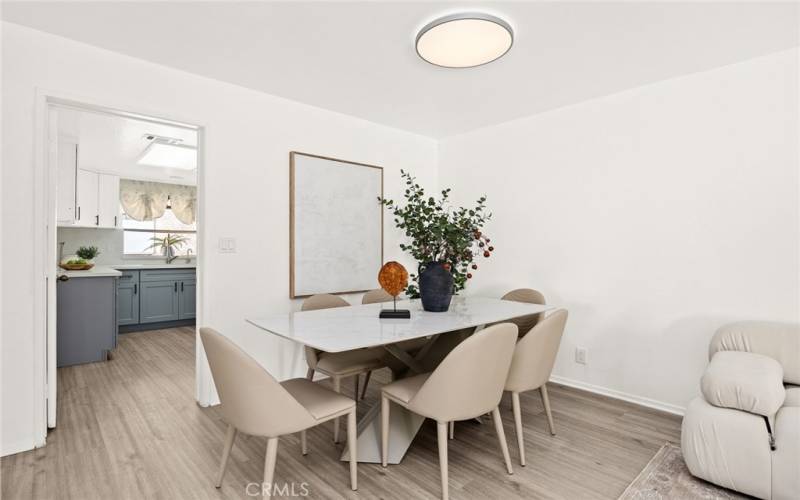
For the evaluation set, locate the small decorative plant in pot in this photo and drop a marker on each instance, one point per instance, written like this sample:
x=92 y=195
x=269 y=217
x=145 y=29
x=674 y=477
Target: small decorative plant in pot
x=169 y=244
x=444 y=240
x=82 y=260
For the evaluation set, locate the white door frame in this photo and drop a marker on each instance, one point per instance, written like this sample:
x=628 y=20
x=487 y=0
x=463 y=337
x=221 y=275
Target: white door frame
x=44 y=269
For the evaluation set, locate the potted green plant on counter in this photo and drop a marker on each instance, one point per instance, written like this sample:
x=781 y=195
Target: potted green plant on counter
x=444 y=240
x=82 y=260
x=169 y=245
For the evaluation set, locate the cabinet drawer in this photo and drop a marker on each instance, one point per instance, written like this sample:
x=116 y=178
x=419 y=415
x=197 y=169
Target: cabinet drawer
x=166 y=275
x=129 y=277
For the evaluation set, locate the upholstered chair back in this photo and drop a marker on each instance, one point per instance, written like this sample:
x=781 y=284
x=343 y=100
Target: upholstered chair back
x=470 y=380
x=252 y=401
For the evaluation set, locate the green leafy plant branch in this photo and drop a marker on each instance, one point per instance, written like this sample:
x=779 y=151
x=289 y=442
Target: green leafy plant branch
x=170 y=243
x=438 y=232
x=87 y=253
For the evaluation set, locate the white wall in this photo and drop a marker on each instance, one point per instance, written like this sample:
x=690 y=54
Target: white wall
x=654 y=215
x=248 y=138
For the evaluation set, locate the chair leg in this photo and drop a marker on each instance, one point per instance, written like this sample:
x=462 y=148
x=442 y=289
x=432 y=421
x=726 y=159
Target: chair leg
x=452 y=428
x=269 y=467
x=384 y=430
x=366 y=381
x=352 y=445
x=547 y=410
x=441 y=431
x=337 y=387
x=518 y=426
x=501 y=436
x=303 y=443
x=310 y=374
x=226 y=453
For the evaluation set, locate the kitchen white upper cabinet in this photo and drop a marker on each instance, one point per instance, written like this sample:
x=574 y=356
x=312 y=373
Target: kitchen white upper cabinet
x=65 y=188
x=108 y=200
x=86 y=198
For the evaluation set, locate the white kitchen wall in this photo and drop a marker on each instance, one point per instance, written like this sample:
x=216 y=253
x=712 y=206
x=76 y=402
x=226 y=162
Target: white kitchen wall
x=248 y=136
x=654 y=215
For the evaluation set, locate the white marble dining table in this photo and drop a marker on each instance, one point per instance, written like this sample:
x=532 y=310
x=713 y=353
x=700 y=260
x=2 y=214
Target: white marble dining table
x=359 y=327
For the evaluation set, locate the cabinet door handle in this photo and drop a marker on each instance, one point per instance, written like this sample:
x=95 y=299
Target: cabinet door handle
x=115 y=221
x=181 y=286
x=96 y=220
x=79 y=212
x=135 y=288
x=176 y=287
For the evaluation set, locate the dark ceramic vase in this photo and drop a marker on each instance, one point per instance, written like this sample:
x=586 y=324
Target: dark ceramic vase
x=435 y=287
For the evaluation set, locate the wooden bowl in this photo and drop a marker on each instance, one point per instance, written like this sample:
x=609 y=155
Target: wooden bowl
x=77 y=267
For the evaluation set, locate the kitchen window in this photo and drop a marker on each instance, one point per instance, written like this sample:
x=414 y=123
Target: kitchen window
x=138 y=235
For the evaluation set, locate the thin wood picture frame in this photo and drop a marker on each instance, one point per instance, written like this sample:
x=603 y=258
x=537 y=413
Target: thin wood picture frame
x=294 y=156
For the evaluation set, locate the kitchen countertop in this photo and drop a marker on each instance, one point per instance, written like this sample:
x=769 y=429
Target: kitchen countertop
x=162 y=265
x=95 y=272
x=114 y=269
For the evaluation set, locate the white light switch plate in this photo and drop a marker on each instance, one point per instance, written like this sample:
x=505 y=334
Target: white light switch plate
x=227 y=245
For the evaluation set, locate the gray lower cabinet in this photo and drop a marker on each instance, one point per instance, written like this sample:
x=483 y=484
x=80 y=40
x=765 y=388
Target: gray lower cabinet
x=86 y=318
x=128 y=298
x=187 y=307
x=156 y=296
x=159 y=301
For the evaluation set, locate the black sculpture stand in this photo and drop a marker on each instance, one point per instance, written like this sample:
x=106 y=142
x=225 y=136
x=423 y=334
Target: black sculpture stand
x=395 y=313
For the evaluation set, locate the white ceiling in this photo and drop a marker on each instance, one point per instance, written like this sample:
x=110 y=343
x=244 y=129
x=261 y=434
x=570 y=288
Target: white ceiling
x=359 y=58
x=113 y=144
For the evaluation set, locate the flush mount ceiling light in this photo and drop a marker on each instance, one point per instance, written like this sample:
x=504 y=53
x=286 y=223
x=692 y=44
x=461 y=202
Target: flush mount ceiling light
x=464 y=40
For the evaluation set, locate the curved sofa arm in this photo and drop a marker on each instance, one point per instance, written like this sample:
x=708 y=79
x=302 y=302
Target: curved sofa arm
x=744 y=381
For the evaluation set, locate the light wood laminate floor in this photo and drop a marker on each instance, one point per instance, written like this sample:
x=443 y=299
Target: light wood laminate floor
x=130 y=428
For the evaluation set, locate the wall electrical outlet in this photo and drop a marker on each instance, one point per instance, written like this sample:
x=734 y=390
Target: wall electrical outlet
x=580 y=355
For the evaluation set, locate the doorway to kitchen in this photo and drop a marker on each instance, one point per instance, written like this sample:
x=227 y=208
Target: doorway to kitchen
x=123 y=236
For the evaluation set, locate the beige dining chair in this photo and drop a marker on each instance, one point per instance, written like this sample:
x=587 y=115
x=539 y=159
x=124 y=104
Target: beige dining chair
x=255 y=403
x=376 y=296
x=468 y=383
x=339 y=365
x=529 y=296
x=533 y=361
x=524 y=323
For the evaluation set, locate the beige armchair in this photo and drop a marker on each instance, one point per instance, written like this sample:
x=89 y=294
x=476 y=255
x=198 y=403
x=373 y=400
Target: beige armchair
x=468 y=383
x=743 y=432
x=339 y=365
x=255 y=403
x=531 y=366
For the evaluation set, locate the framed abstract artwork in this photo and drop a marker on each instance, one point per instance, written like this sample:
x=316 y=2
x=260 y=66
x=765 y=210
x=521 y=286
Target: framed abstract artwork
x=336 y=225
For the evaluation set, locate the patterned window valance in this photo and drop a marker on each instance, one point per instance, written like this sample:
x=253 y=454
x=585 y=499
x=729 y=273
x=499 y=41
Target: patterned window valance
x=144 y=200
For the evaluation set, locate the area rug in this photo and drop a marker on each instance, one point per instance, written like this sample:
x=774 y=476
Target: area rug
x=666 y=477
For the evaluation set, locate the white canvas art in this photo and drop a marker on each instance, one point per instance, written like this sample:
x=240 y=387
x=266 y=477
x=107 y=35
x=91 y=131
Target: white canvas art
x=337 y=225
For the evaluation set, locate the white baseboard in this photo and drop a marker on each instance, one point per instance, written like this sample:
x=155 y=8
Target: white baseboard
x=624 y=396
